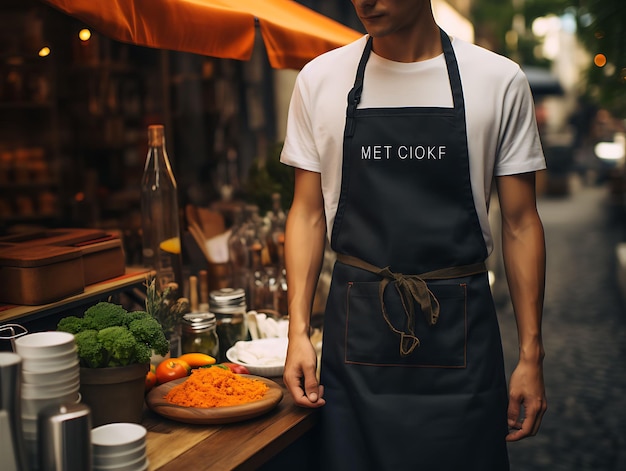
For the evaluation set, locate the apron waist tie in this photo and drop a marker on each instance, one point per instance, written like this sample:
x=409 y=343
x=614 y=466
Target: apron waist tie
x=412 y=288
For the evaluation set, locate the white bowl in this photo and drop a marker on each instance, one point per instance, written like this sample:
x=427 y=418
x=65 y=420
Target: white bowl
x=52 y=377
x=36 y=391
x=44 y=344
x=264 y=357
x=29 y=427
x=30 y=435
x=104 y=457
x=140 y=465
x=32 y=407
x=118 y=437
x=134 y=456
x=56 y=363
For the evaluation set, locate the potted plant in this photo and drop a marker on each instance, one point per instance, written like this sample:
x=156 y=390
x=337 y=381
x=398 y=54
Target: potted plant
x=114 y=348
x=168 y=309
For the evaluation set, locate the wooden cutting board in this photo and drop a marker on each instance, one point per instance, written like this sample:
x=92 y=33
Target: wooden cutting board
x=213 y=415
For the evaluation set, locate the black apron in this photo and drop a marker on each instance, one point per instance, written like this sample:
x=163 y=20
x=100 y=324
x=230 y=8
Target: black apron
x=412 y=360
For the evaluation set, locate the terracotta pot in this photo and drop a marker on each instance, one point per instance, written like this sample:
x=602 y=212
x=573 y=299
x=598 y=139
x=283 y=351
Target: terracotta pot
x=114 y=394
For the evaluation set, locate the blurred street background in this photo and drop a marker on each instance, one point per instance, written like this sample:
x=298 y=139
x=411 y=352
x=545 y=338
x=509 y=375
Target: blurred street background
x=584 y=338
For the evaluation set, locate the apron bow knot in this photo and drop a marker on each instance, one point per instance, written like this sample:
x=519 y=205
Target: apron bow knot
x=411 y=289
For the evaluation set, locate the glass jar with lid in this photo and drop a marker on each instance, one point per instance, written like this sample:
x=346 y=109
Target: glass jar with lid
x=229 y=307
x=199 y=334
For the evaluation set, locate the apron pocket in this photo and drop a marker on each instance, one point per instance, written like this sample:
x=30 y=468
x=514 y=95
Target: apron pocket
x=369 y=340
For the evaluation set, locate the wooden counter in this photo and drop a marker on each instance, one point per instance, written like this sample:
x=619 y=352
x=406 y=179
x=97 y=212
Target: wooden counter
x=177 y=446
x=247 y=445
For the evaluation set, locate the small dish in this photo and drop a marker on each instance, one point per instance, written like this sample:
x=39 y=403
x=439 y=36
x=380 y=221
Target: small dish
x=263 y=357
x=117 y=437
x=123 y=463
x=103 y=458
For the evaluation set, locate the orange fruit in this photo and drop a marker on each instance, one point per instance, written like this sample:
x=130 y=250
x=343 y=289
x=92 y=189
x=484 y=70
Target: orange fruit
x=171 y=369
x=151 y=379
x=196 y=360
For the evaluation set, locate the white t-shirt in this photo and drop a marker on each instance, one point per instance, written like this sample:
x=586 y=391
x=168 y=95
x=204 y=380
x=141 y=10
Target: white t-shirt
x=501 y=126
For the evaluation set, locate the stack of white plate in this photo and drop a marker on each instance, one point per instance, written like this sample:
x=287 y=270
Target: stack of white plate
x=50 y=376
x=119 y=446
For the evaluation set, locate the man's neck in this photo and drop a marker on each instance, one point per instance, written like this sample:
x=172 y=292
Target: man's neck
x=421 y=43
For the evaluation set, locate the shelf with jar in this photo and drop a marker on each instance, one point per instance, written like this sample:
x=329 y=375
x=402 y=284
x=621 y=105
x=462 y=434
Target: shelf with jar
x=30 y=162
x=105 y=106
x=25 y=82
x=29 y=186
x=103 y=95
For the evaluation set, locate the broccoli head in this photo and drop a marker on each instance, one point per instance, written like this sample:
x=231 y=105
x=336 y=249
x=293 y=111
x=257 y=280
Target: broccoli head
x=134 y=315
x=72 y=324
x=149 y=332
x=104 y=314
x=108 y=335
x=90 y=350
x=143 y=353
x=120 y=344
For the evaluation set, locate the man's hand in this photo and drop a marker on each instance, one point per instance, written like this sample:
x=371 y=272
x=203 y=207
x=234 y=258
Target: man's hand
x=527 y=391
x=299 y=374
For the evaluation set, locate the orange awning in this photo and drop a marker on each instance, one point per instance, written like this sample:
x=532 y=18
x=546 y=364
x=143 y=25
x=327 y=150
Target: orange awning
x=292 y=33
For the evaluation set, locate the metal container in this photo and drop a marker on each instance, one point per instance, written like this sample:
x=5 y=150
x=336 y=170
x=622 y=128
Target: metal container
x=229 y=307
x=64 y=438
x=12 y=450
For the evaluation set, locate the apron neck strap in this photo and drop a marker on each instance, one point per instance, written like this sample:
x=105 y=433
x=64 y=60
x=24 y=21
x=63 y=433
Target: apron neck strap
x=453 y=72
x=354 y=97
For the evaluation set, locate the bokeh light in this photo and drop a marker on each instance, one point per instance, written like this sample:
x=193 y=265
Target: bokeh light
x=599 y=60
x=84 y=34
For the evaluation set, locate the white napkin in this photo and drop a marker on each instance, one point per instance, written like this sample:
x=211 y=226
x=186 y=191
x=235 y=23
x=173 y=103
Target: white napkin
x=262 y=352
x=217 y=247
x=268 y=327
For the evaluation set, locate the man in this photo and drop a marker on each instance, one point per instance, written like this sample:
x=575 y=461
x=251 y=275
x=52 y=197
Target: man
x=396 y=139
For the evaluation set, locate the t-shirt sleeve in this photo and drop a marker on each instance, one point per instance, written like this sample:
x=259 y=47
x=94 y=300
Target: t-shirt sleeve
x=299 y=149
x=519 y=149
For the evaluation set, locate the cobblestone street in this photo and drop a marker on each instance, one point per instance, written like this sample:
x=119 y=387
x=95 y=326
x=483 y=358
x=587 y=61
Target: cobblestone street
x=584 y=338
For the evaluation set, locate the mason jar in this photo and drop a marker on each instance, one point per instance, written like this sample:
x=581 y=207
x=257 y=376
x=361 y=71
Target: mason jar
x=229 y=307
x=199 y=334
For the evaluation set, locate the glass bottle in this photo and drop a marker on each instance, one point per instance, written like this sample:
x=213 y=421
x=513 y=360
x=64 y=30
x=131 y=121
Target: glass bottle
x=238 y=252
x=199 y=334
x=259 y=282
x=281 y=304
x=229 y=307
x=160 y=212
x=276 y=218
x=203 y=288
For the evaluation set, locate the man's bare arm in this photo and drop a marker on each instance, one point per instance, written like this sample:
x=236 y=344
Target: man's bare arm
x=523 y=248
x=305 y=238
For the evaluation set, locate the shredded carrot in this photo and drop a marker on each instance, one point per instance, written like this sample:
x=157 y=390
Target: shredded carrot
x=216 y=387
